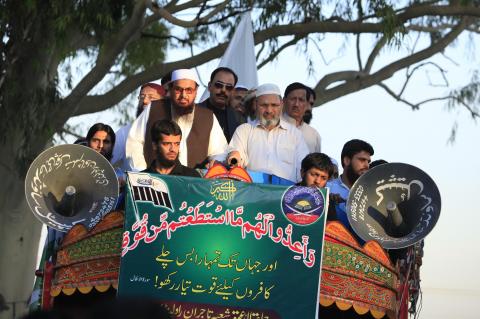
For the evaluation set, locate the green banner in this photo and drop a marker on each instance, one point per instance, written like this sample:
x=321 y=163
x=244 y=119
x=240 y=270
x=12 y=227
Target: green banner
x=223 y=249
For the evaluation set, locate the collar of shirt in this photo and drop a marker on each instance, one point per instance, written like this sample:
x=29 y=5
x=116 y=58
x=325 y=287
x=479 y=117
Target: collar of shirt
x=153 y=169
x=291 y=120
x=282 y=124
x=338 y=181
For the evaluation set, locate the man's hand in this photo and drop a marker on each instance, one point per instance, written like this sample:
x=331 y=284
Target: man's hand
x=233 y=158
x=211 y=163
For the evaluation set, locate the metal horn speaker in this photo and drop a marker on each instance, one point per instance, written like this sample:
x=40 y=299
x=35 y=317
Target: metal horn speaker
x=395 y=204
x=71 y=184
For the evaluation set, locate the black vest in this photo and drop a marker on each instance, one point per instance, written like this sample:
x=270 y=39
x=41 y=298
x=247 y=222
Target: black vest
x=197 y=140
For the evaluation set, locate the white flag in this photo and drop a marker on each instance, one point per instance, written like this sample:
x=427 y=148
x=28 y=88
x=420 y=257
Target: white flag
x=240 y=55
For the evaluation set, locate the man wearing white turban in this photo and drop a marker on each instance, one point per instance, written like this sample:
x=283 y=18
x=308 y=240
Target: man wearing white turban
x=269 y=144
x=204 y=139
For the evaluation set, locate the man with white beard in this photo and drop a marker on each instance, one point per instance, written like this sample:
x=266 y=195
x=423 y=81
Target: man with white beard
x=269 y=144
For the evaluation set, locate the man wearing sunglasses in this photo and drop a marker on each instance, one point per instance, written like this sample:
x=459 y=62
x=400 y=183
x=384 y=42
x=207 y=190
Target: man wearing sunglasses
x=221 y=85
x=204 y=139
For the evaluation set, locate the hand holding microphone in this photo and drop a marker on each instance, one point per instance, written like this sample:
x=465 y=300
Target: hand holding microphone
x=233 y=158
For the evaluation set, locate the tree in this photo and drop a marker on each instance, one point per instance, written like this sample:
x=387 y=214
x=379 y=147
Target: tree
x=126 y=41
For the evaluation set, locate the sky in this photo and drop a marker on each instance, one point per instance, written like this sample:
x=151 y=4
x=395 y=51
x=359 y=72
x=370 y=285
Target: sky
x=450 y=284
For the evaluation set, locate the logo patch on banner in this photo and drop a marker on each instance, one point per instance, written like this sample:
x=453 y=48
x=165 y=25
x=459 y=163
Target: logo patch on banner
x=146 y=188
x=303 y=205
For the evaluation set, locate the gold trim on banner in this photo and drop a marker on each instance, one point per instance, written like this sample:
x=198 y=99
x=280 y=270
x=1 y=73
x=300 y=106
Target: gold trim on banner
x=55 y=291
x=344 y=306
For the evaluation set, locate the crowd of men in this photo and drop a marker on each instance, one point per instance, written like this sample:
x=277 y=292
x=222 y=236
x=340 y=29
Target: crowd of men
x=259 y=129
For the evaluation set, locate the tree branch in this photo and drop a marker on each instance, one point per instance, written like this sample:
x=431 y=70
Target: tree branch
x=440 y=11
x=429 y=29
x=275 y=53
x=354 y=80
x=360 y=17
x=359 y=55
x=96 y=103
x=262 y=47
x=409 y=74
x=337 y=77
x=67 y=130
x=416 y=106
x=472 y=111
x=168 y=15
x=363 y=81
x=105 y=60
x=373 y=55
x=161 y=37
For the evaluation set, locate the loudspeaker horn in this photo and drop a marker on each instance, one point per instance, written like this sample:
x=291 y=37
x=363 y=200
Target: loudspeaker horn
x=71 y=184
x=395 y=204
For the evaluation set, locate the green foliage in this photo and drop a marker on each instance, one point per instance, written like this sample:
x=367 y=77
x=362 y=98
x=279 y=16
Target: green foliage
x=284 y=12
x=148 y=51
x=36 y=37
x=468 y=95
x=392 y=28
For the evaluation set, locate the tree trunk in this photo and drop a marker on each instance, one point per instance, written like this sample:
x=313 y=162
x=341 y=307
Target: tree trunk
x=19 y=237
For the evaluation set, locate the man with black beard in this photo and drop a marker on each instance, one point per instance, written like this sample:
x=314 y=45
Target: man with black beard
x=355 y=161
x=203 y=137
x=311 y=96
x=166 y=137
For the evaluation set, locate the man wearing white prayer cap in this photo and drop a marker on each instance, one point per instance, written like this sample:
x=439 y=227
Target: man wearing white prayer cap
x=269 y=144
x=203 y=137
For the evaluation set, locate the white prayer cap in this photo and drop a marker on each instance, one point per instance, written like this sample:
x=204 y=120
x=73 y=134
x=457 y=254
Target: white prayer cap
x=240 y=86
x=184 y=74
x=268 y=88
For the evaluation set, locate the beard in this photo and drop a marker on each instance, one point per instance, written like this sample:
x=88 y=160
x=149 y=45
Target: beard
x=182 y=109
x=162 y=161
x=269 y=122
x=352 y=176
x=140 y=109
x=307 y=117
x=107 y=155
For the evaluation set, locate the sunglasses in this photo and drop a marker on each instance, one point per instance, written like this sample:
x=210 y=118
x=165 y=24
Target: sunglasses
x=179 y=90
x=220 y=85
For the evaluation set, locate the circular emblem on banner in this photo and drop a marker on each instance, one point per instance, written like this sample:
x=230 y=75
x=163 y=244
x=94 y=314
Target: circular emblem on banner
x=303 y=205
